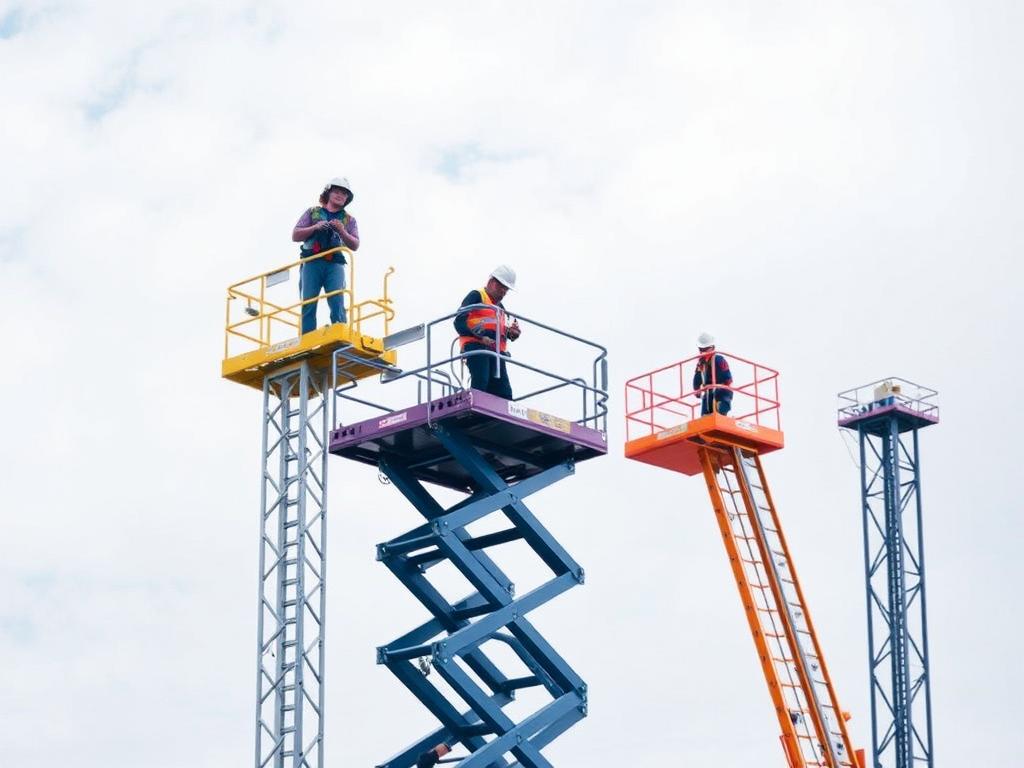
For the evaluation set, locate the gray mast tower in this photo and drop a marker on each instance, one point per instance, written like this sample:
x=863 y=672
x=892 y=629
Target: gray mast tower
x=297 y=373
x=887 y=415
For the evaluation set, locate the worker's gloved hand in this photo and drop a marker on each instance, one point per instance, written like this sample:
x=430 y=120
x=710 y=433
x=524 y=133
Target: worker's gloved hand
x=482 y=337
x=513 y=331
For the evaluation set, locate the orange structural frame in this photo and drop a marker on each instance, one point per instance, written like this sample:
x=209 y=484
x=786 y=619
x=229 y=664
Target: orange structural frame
x=678 y=448
x=665 y=427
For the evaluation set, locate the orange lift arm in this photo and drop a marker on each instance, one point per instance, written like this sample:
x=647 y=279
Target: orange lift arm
x=813 y=726
x=726 y=450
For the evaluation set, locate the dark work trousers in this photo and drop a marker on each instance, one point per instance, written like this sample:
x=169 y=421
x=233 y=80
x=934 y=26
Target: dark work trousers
x=707 y=405
x=481 y=371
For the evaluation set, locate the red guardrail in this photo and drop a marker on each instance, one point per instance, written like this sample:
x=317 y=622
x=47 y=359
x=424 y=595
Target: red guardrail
x=665 y=397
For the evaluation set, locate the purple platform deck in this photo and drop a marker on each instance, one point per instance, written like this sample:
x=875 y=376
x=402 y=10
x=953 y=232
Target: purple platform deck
x=519 y=441
x=875 y=417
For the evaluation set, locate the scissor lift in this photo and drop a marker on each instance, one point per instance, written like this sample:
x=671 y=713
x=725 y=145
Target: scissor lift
x=665 y=427
x=496 y=454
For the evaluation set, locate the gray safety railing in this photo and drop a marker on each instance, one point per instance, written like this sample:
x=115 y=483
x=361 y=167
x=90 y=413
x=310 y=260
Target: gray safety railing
x=574 y=387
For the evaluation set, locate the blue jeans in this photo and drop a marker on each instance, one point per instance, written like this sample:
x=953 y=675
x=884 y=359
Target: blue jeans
x=328 y=275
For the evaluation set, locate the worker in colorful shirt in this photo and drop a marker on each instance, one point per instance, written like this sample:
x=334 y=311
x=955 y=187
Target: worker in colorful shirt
x=432 y=757
x=479 y=332
x=712 y=372
x=322 y=228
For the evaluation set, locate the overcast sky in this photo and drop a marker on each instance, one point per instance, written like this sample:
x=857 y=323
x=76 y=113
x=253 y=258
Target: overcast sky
x=831 y=188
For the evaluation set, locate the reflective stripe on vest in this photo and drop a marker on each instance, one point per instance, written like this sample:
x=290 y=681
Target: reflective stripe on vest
x=481 y=317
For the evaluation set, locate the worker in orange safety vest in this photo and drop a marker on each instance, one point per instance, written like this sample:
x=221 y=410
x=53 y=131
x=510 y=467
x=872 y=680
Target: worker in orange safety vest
x=479 y=333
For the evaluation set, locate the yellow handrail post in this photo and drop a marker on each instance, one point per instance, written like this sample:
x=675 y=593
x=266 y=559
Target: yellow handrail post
x=386 y=301
x=227 y=321
x=264 y=320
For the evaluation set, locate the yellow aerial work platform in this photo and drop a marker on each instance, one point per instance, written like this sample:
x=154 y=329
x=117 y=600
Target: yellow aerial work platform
x=263 y=333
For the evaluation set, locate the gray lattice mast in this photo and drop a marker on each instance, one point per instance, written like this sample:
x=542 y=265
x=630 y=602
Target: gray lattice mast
x=887 y=415
x=293 y=561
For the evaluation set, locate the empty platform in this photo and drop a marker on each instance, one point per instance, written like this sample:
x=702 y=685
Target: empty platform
x=874 y=418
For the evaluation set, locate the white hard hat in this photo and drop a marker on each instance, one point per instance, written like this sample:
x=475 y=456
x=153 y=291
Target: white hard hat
x=705 y=340
x=505 y=275
x=340 y=181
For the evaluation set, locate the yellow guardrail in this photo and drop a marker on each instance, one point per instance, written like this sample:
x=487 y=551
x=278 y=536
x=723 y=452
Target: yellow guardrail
x=266 y=322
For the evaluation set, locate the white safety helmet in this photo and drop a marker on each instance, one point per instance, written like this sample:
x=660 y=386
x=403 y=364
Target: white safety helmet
x=340 y=181
x=505 y=275
x=705 y=340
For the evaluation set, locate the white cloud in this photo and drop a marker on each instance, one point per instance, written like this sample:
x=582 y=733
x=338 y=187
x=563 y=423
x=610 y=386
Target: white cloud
x=833 y=190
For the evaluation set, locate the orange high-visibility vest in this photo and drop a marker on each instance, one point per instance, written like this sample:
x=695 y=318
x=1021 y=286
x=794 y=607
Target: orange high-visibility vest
x=481 y=317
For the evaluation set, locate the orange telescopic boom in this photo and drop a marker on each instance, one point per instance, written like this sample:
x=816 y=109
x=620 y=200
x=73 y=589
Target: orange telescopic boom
x=680 y=428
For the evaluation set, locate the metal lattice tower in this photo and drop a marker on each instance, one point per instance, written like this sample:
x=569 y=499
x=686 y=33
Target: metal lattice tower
x=263 y=348
x=292 y=563
x=497 y=453
x=886 y=416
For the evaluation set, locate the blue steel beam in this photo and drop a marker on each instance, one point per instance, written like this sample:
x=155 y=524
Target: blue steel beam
x=899 y=669
x=456 y=637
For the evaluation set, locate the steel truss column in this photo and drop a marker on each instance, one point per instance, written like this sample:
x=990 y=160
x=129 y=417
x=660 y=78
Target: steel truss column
x=896 y=609
x=459 y=638
x=292 y=576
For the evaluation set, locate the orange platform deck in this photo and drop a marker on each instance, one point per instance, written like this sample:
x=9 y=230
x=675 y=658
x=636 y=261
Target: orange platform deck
x=676 y=448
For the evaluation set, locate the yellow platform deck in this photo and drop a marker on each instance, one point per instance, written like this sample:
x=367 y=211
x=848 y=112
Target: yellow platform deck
x=317 y=346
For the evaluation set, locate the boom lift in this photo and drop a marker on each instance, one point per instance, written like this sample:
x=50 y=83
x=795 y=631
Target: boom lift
x=665 y=427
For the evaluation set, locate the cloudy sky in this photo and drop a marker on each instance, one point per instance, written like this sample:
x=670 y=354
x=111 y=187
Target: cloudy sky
x=831 y=188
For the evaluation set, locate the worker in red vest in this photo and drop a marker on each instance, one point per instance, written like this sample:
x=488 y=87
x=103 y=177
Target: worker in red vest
x=479 y=333
x=712 y=381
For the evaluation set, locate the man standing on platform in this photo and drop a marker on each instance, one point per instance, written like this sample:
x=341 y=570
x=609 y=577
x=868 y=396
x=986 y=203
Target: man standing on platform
x=712 y=372
x=322 y=228
x=479 y=332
